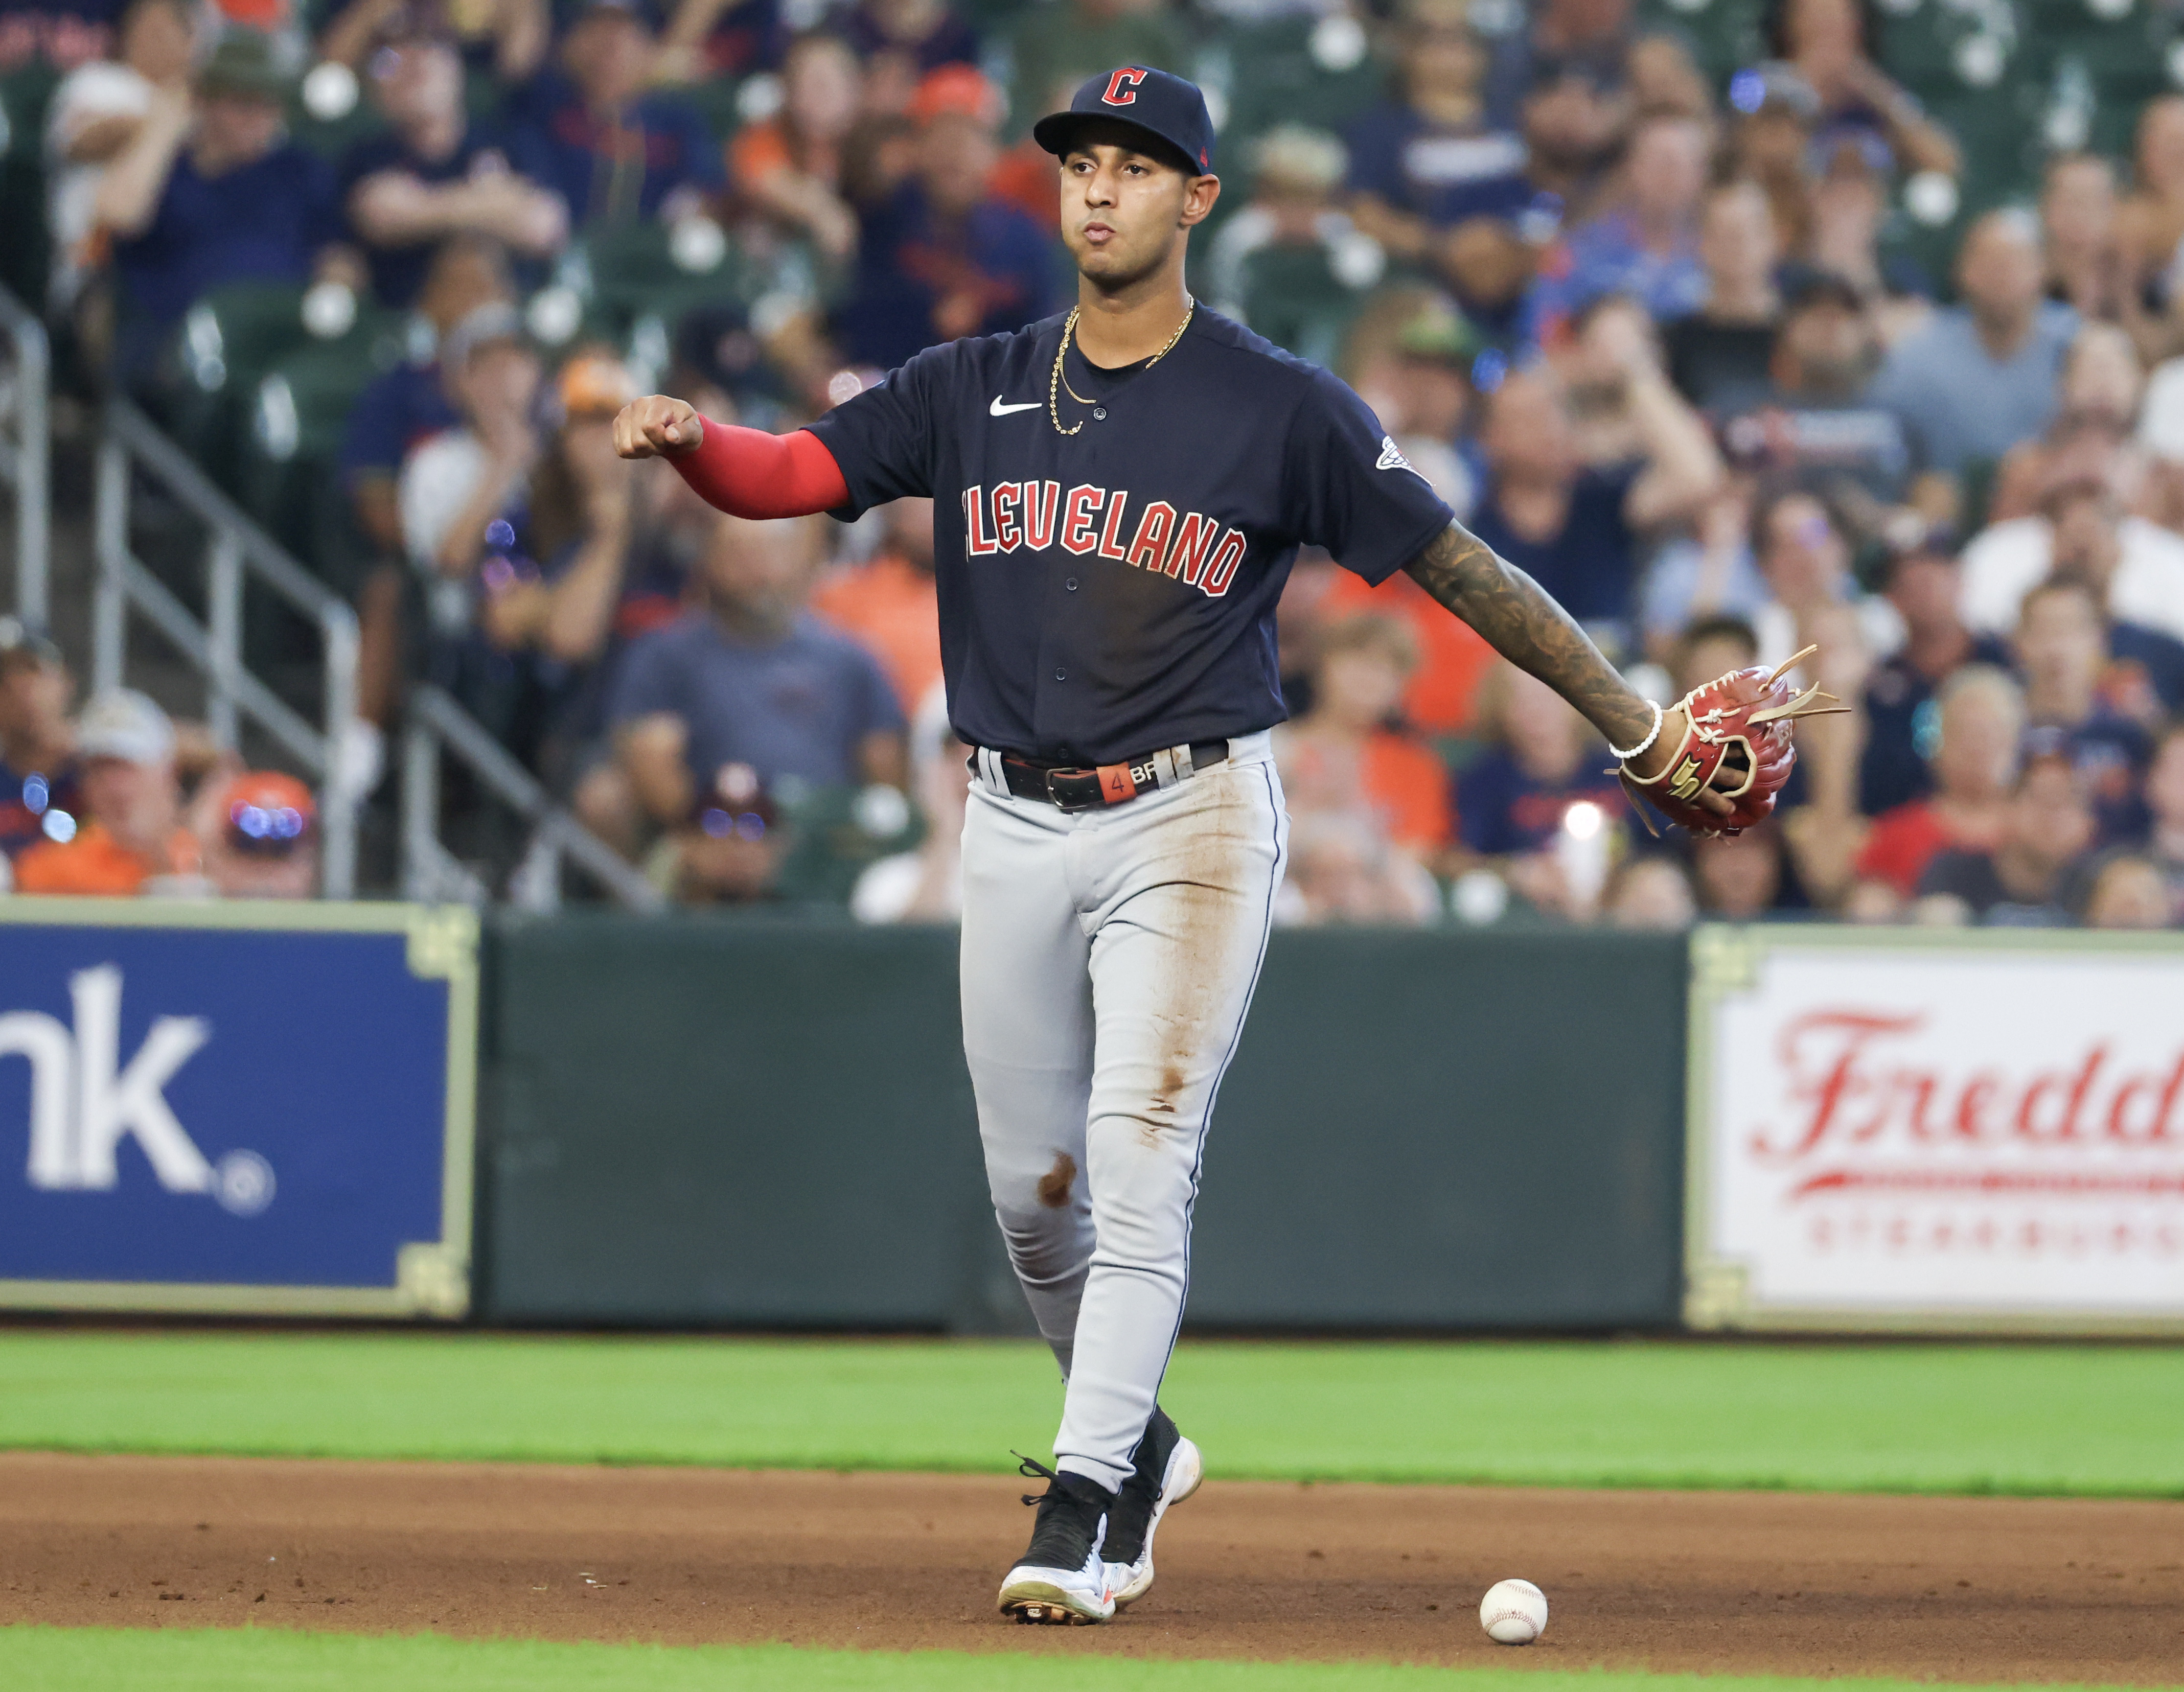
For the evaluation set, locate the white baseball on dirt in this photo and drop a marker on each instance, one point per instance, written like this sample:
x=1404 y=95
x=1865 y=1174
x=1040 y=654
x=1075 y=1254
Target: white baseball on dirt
x=1513 y=1612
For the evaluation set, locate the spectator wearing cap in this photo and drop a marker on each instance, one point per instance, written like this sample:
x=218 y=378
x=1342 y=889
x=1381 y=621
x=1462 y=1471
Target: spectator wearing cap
x=2061 y=646
x=405 y=405
x=1291 y=264
x=40 y=795
x=2135 y=568
x=1980 y=377
x=1574 y=78
x=210 y=190
x=433 y=173
x=1574 y=527
x=1350 y=753
x=751 y=680
x=1725 y=344
x=2034 y=872
x=590 y=130
x=131 y=837
x=1977 y=720
x=466 y=486
x=1644 y=246
x=1832 y=46
x=258 y=834
x=944 y=258
x=95 y=113
x=789 y=166
x=1903 y=707
x=1437 y=184
x=889 y=604
x=1850 y=220
x=1819 y=423
x=1587 y=42
x=398 y=410
x=1409 y=356
x=1056 y=47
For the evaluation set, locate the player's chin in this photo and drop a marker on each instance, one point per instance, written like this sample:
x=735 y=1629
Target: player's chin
x=1111 y=265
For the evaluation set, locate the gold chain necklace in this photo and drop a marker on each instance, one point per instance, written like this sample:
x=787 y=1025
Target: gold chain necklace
x=1055 y=384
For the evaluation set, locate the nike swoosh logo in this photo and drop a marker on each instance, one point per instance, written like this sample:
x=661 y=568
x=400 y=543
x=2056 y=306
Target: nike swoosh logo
x=998 y=409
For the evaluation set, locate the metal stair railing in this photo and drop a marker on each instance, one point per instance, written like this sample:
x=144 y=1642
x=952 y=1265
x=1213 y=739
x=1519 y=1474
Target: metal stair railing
x=237 y=551
x=434 y=723
x=25 y=456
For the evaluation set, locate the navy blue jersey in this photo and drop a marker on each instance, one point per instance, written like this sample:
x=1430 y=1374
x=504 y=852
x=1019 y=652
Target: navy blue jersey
x=1111 y=592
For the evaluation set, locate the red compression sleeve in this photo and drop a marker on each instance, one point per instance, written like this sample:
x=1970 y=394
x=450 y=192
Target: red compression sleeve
x=748 y=473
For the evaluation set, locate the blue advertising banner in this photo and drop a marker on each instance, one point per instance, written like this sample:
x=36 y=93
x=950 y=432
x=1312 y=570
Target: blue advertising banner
x=243 y=1108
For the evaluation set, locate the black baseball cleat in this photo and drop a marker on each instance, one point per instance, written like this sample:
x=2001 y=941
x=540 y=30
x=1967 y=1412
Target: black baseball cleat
x=1168 y=1469
x=1062 y=1578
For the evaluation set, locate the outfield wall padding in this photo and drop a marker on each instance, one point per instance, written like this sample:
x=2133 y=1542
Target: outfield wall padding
x=768 y=1122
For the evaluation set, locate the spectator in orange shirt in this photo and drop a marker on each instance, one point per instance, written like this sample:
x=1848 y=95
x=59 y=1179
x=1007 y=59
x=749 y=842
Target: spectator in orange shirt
x=1342 y=756
x=133 y=841
x=1982 y=717
x=889 y=606
x=789 y=166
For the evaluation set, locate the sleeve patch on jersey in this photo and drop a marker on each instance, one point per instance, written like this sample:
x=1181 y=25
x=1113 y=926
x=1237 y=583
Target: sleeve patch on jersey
x=1391 y=456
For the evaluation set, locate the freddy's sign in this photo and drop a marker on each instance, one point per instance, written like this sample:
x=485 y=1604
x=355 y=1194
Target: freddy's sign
x=1905 y=1129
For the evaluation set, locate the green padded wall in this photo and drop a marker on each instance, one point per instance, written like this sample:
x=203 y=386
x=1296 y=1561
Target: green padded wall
x=766 y=1122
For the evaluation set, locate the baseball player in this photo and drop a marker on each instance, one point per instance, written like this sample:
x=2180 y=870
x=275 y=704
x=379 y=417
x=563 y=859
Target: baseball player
x=1119 y=494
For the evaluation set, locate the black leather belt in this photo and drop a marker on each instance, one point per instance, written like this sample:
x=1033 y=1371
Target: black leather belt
x=1069 y=787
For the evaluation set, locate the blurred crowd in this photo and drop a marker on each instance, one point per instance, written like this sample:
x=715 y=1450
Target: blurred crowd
x=1669 y=339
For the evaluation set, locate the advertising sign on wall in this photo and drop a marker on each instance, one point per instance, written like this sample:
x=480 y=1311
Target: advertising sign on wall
x=244 y=1108
x=1920 y=1129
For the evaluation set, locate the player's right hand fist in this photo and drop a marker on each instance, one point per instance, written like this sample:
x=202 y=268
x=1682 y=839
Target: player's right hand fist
x=658 y=426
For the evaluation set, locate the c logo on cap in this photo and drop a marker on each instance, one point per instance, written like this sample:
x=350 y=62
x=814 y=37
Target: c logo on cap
x=1122 y=87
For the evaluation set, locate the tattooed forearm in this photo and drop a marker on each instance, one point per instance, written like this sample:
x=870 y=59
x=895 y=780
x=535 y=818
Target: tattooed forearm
x=1528 y=629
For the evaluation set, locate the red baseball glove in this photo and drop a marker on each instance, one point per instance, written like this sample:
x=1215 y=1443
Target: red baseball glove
x=1737 y=741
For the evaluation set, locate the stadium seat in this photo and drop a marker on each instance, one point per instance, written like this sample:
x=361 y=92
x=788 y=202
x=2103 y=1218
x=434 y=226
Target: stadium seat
x=835 y=839
x=1275 y=78
x=208 y=380
x=289 y=477
x=26 y=252
x=1292 y=296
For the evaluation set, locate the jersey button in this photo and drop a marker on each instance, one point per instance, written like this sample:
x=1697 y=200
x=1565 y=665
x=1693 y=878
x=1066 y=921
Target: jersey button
x=1099 y=413
x=1062 y=675
x=1071 y=584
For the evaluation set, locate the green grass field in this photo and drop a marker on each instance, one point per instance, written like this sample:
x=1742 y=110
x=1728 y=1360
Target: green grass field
x=72 y=1660
x=2036 y=1419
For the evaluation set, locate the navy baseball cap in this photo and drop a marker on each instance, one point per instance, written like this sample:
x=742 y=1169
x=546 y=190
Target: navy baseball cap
x=1165 y=107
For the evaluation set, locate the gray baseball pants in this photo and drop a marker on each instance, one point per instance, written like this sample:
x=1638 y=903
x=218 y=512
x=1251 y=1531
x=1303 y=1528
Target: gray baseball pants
x=1109 y=957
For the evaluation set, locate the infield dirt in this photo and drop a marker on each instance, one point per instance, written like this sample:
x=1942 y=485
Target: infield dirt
x=1976 y=1589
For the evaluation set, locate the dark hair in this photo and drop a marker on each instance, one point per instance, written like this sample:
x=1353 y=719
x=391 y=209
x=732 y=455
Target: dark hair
x=1718 y=626
x=1774 y=498
x=1775 y=28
